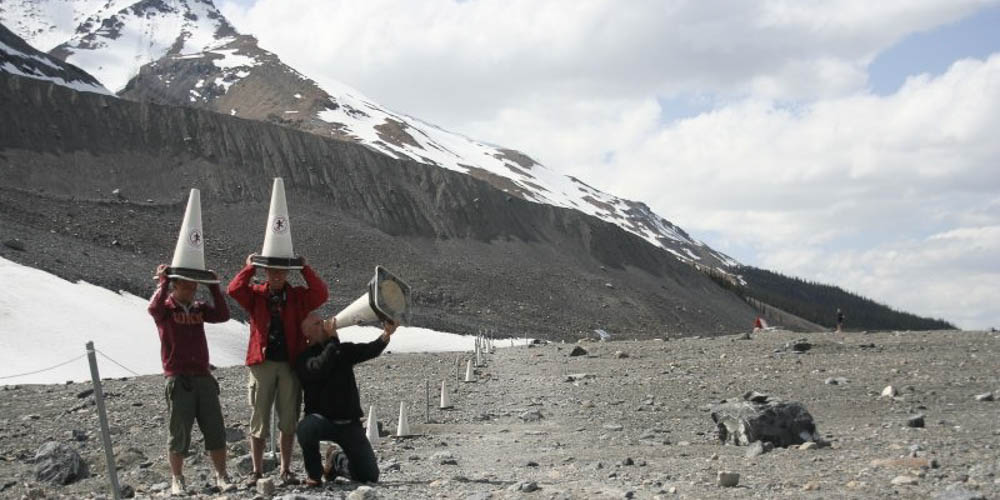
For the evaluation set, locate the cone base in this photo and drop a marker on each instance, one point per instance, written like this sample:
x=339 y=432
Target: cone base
x=277 y=262
x=186 y=273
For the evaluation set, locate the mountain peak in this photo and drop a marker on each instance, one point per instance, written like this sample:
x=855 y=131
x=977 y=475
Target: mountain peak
x=184 y=52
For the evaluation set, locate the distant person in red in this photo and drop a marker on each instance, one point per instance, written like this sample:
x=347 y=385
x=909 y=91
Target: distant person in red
x=840 y=320
x=192 y=392
x=276 y=340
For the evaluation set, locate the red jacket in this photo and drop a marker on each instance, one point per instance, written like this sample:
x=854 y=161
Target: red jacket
x=183 y=348
x=299 y=302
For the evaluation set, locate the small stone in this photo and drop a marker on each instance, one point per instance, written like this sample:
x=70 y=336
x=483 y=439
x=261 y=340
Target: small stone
x=524 y=486
x=628 y=461
x=578 y=351
x=234 y=434
x=158 y=487
x=728 y=479
x=531 y=416
x=916 y=421
x=889 y=392
x=363 y=493
x=904 y=481
x=620 y=355
x=808 y=445
x=956 y=492
x=265 y=486
x=810 y=486
x=835 y=381
x=984 y=397
x=613 y=427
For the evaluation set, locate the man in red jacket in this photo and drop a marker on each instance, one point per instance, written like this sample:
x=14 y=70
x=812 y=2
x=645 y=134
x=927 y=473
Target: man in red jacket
x=276 y=312
x=192 y=392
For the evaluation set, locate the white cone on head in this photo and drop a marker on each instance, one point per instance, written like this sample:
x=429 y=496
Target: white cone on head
x=403 y=427
x=189 y=254
x=371 y=430
x=469 y=375
x=445 y=402
x=278 y=234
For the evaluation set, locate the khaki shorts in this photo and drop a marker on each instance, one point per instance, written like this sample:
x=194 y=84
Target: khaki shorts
x=191 y=398
x=273 y=383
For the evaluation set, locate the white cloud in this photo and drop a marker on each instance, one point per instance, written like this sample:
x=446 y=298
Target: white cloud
x=790 y=159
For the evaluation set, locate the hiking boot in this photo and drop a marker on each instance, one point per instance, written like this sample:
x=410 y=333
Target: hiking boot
x=177 y=486
x=224 y=483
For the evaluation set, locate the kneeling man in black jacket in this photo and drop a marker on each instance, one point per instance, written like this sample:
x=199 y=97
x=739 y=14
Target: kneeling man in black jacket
x=332 y=404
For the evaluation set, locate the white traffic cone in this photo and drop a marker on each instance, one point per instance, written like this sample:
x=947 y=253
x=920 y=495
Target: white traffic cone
x=445 y=400
x=371 y=430
x=277 y=252
x=469 y=375
x=189 y=254
x=403 y=427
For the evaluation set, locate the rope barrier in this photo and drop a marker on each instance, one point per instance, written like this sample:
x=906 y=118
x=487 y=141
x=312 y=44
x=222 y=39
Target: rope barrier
x=115 y=362
x=53 y=367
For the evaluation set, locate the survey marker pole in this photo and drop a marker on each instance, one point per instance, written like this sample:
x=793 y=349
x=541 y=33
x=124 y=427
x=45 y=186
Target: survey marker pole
x=109 y=453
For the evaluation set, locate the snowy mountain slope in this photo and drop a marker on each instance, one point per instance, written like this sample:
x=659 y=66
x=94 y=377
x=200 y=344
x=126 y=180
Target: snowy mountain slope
x=184 y=52
x=19 y=58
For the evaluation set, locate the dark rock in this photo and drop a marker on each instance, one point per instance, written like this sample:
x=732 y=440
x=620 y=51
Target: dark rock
x=234 y=434
x=127 y=491
x=84 y=393
x=781 y=423
x=578 y=351
x=14 y=244
x=915 y=421
x=58 y=463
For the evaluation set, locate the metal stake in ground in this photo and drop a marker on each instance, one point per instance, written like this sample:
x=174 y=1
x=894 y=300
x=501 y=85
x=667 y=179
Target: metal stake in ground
x=109 y=453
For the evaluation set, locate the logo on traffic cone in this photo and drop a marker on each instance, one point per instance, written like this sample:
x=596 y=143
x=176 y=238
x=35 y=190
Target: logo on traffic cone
x=277 y=252
x=371 y=430
x=403 y=427
x=469 y=375
x=445 y=403
x=189 y=254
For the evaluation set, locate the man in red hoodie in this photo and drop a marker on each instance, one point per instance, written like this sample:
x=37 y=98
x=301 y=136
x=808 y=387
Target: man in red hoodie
x=276 y=312
x=192 y=392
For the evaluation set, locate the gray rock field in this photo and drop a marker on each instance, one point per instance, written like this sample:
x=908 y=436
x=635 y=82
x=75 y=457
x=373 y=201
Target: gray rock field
x=538 y=423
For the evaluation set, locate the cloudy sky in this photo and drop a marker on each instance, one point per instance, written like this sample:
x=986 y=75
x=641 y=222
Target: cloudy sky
x=849 y=142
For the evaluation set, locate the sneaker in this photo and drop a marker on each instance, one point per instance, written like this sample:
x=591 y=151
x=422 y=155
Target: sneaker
x=224 y=483
x=177 y=486
x=251 y=482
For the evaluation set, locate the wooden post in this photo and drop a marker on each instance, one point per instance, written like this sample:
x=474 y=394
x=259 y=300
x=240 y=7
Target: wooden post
x=109 y=453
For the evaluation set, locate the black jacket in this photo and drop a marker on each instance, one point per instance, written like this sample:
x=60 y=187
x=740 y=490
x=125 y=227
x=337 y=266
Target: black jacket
x=327 y=375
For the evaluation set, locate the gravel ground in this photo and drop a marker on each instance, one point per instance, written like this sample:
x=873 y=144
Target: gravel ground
x=628 y=419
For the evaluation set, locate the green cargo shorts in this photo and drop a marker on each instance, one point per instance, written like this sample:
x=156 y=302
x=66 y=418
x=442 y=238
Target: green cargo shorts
x=191 y=398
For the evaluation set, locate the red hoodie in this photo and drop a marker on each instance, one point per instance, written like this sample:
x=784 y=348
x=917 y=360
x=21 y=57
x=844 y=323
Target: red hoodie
x=299 y=302
x=183 y=348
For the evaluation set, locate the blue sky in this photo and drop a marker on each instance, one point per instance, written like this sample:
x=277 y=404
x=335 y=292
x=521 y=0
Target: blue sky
x=846 y=141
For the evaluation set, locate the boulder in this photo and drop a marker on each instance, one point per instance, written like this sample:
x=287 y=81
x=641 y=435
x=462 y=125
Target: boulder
x=763 y=418
x=578 y=351
x=58 y=463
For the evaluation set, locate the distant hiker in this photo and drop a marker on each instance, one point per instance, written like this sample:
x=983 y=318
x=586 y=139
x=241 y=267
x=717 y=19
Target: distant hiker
x=276 y=312
x=192 y=393
x=840 y=320
x=332 y=403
